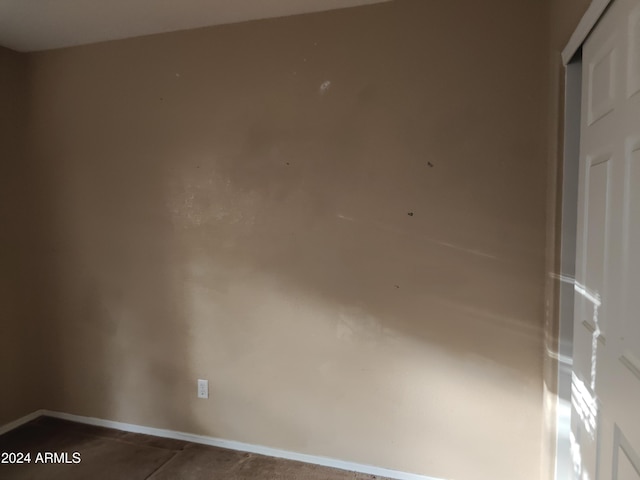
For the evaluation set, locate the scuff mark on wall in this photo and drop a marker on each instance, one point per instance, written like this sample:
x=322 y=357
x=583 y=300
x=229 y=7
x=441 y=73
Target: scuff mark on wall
x=324 y=87
x=203 y=200
x=357 y=325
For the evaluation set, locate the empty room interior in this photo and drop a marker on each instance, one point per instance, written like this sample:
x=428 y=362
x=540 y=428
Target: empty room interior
x=317 y=239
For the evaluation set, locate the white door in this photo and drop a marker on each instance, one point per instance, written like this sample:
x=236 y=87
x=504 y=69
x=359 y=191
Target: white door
x=606 y=373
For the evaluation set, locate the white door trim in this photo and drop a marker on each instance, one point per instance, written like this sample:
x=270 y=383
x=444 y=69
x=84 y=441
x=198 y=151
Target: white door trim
x=569 y=199
x=588 y=21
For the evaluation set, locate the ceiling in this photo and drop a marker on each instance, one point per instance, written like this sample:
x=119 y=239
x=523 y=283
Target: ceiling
x=31 y=25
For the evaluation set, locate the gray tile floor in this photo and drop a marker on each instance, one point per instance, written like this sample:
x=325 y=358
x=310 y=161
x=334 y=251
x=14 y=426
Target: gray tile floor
x=113 y=454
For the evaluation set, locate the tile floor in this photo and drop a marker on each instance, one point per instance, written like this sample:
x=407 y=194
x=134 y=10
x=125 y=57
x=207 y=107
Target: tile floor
x=113 y=455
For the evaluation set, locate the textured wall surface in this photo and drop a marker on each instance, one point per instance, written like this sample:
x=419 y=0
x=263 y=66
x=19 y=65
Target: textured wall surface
x=338 y=219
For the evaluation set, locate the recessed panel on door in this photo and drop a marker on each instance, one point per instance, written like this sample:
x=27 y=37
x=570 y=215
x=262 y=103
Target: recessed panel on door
x=626 y=462
x=630 y=322
x=596 y=215
x=633 y=53
x=602 y=84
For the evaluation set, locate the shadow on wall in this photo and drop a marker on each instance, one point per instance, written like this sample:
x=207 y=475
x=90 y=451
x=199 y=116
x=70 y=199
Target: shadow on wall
x=114 y=323
x=20 y=246
x=333 y=227
x=335 y=171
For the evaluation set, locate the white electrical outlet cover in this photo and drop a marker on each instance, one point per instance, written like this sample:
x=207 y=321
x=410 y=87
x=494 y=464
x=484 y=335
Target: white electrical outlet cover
x=203 y=388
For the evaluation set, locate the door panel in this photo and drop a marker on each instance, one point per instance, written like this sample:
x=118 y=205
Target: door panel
x=606 y=383
x=602 y=82
x=626 y=470
x=626 y=465
x=630 y=326
x=633 y=60
x=596 y=211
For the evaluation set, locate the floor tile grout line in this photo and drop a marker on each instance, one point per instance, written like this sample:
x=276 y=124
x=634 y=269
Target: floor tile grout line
x=161 y=466
x=364 y=469
x=167 y=464
x=128 y=442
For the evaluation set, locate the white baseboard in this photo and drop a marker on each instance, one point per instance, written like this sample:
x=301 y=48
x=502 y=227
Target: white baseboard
x=219 y=442
x=21 y=421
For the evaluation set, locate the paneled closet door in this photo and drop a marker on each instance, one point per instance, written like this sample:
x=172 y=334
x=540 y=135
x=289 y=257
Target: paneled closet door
x=606 y=369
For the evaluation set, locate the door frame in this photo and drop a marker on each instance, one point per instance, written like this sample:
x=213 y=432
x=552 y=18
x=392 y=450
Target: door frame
x=572 y=60
x=582 y=31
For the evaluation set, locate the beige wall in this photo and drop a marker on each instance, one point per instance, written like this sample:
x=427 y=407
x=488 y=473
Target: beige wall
x=18 y=247
x=565 y=15
x=233 y=203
